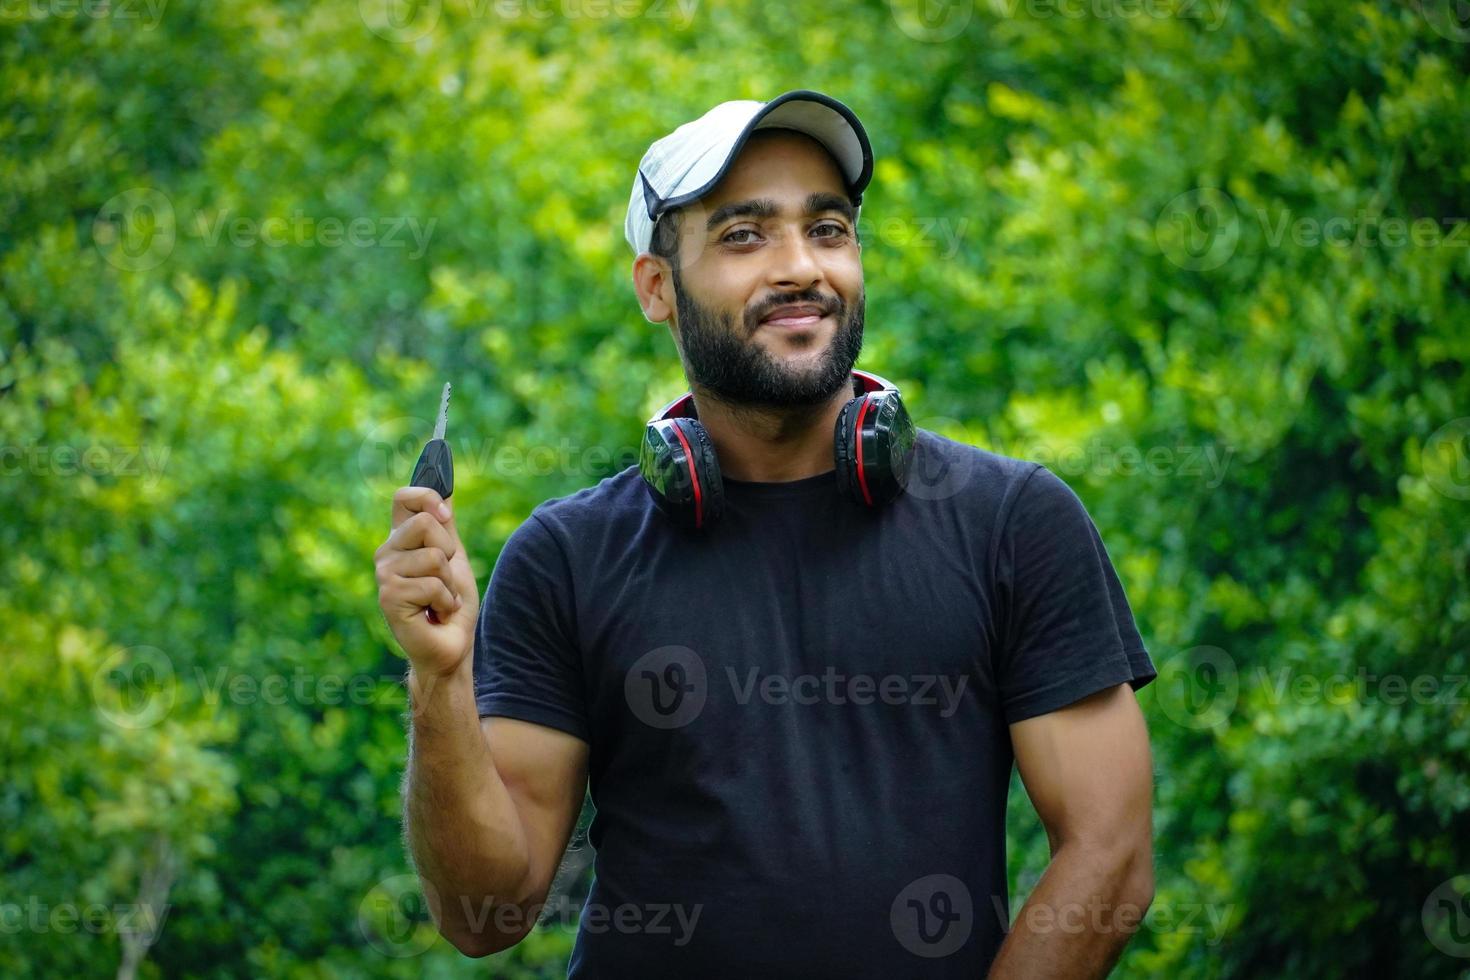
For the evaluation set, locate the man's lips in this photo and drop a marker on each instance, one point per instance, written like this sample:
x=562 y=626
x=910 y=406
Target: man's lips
x=801 y=315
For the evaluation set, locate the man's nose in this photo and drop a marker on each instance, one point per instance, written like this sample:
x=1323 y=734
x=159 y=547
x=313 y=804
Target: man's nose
x=794 y=263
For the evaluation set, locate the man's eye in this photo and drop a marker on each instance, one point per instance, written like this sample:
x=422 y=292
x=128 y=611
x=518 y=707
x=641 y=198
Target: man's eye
x=829 y=229
x=731 y=238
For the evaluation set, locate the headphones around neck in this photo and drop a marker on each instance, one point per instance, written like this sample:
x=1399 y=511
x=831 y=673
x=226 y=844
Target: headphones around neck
x=873 y=446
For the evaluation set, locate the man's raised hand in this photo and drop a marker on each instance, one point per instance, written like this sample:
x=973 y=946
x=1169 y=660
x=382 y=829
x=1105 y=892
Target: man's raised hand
x=426 y=588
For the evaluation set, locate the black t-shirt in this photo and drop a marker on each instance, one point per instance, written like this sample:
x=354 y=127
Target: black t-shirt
x=797 y=717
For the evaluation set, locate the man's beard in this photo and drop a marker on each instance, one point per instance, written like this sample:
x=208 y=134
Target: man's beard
x=735 y=369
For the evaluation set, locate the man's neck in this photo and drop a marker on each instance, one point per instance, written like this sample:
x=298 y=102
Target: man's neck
x=765 y=445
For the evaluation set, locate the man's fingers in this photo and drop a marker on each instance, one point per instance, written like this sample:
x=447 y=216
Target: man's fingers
x=416 y=593
x=408 y=501
x=421 y=530
x=429 y=562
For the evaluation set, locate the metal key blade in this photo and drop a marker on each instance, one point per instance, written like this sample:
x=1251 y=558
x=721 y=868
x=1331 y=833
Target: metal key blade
x=443 y=421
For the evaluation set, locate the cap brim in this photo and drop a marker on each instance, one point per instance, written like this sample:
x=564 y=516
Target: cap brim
x=821 y=117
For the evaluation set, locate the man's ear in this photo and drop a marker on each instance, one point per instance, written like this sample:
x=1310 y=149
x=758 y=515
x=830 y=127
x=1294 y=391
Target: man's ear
x=653 y=280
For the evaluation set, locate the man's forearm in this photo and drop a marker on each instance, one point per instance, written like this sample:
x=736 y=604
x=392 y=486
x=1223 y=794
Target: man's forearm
x=463 y=829
x=1085 y=908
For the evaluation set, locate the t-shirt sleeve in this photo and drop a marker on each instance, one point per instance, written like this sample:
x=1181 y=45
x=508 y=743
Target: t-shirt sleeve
x=1069 y=629
x=526 y=661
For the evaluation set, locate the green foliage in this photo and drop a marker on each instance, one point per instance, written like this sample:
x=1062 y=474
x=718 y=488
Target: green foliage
x=1087 y=236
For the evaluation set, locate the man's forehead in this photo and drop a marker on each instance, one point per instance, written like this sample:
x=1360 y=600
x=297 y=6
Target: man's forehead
x=778 y=165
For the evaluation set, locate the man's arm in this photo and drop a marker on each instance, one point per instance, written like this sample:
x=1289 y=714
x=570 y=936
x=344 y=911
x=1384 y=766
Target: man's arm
x=1089 y=773
x=489 y=805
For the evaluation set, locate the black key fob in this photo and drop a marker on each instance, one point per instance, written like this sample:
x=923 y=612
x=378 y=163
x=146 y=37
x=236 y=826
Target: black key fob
x=435 y=468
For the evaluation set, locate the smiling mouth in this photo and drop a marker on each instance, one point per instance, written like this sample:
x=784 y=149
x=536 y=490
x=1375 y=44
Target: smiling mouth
x=797 y=320
x=795 y=316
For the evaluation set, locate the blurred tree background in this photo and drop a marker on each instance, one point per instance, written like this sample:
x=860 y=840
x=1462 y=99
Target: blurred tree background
x=1206 y=259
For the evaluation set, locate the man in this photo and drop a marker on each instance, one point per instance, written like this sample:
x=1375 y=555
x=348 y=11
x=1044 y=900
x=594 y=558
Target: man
x=799 y=721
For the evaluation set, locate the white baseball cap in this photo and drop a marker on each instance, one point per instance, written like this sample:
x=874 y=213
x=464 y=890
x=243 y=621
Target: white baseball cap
x=687 y=164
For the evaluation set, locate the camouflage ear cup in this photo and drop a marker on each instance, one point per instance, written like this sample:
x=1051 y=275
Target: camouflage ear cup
x=873 y=446
x=679 y=467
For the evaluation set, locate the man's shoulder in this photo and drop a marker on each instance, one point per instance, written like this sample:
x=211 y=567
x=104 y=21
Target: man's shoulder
x=612 y=500
x=948 y=469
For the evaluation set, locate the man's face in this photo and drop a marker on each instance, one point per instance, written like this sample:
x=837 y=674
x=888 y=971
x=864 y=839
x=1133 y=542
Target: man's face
x=769 y=288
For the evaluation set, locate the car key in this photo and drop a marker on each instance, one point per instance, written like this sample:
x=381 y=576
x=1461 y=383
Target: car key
x=435 y=468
